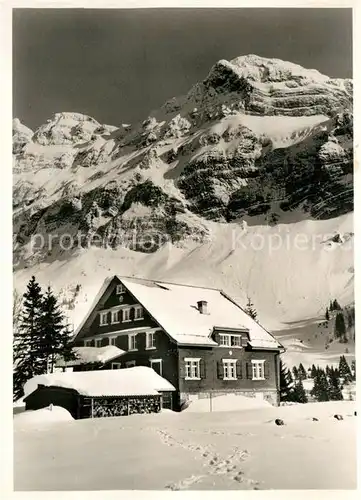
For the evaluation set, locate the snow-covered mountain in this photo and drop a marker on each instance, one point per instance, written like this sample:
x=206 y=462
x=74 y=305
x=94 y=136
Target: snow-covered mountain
x=202 y=191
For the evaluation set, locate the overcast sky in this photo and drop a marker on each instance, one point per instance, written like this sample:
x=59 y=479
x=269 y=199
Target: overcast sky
x=117 y=65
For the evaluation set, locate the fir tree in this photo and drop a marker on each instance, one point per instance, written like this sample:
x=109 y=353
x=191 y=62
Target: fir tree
x=299 y=393
x=331 y=306
x=250 y=310
x=26 y=339
x=295 y=373
x=286 y=384
x=340 y=327
x=334 y=392
x=353 y=369
x=344 y=370
x=320 y=390
x=336 y=306
x=302 y=375
x=55 y=334
x=327 y=315
x=313 y=371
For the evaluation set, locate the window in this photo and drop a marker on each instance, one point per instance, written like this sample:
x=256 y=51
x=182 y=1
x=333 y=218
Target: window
x=132 y=342
x=116 y=366
x=126 y=314
x=192 y=368
x=138 y=312
x=120 y=289
x=258 y=370
x=104 y=318
x=112 y=340
x=227 y=340
x=129 y=364
x=98 y=343
x=229 y=369
x=115 y=316
x=87 y=343
x=150 y=340
x=156 y=364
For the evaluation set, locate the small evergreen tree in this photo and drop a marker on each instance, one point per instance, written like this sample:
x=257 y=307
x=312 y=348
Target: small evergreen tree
x=26 y=336
x=250 y=310
x=331 y=306
x=327 y=315
x=299 y=393
x=336 y=306
x=353 y=369
x=286 y=384
x=295 y=373
x=302 y=375
x=320 y=390
x=334 y=392
x=313 y=371
x=344 y=370
x=340 y=327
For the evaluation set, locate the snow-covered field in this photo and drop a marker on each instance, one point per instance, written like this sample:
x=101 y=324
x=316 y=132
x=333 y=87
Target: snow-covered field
x=221 y=450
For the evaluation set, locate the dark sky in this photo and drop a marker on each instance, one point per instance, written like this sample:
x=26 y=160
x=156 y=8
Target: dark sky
x=116 y=65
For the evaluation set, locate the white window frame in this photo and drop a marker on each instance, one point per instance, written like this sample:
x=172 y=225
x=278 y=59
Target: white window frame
x=87 y=343
x=103 y=314
x=228 y=338
x=130 y=364
x=132 y=336
x=98 y=342
x=116 y=366
x=112 y=340
x=115 y=313
x=126 y=310
x=136 y=311
x=150 y=345
x=229 y=366
x=119 y=289
x=192 y=368
x=160 y=361
x=258 y=372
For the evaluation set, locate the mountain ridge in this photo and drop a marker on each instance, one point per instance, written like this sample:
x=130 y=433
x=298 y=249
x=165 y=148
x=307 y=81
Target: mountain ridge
x=260 y=146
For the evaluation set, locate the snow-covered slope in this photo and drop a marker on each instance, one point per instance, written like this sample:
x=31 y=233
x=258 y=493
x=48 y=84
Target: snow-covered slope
x=217 y=187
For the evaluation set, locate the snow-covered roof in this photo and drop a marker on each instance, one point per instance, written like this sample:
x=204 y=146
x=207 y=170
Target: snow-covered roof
x=174 y=307
x=86 y=355
x=135 y=381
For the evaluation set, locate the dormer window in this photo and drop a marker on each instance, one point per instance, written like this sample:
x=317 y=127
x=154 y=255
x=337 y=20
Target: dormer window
x=120 y=289
x=138 y=312
x=228 y=340
x=103 y=318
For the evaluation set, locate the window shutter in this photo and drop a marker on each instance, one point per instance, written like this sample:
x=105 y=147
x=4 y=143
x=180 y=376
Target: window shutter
x=266 y=370
x=249 y=370
x=182 y=369
x=132 y=313
x=239 y=369
x=219 y=369
x=202 y=368
x=244 y=341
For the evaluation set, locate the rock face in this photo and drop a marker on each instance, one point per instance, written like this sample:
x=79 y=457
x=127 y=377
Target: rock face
x=256 y=141
x=21 y=135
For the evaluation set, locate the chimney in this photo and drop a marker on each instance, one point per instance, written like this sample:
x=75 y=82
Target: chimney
x=202 y=306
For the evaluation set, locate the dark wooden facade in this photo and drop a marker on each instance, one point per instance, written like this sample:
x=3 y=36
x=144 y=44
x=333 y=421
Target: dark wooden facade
x=172 y=355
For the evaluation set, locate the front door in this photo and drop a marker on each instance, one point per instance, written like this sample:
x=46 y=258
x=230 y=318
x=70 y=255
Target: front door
x=156 y=364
